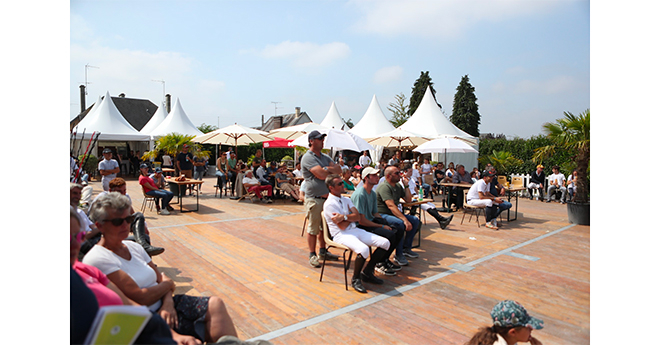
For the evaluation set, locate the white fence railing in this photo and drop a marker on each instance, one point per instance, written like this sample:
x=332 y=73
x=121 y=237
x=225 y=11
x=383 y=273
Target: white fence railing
x=526 y=178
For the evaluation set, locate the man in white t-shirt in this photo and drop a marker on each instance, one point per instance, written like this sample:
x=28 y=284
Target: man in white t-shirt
x=341 y=216
x=364 y=160
x=556 y=181
x=108 y=168
x=479 y=195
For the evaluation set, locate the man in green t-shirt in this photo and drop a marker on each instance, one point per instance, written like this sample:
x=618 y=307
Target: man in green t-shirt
x=389 y=193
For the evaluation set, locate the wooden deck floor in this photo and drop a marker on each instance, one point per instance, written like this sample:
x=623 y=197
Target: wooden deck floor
x=252 y=255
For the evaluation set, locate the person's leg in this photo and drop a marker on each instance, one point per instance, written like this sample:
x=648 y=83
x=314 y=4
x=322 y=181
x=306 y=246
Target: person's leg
x=563 y=194
x=410 y=235
x=396 y=223
x=138 y=227
x=505 y=205
x=218 y=321
x=380 y=254
x=551 y=192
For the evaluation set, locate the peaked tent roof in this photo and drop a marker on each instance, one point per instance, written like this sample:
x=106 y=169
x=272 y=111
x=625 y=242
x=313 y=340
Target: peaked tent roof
x=158 y=118
x=107 y=120
x=373 y=123
x=177 y=121
x=332 y=118
x=429 y=121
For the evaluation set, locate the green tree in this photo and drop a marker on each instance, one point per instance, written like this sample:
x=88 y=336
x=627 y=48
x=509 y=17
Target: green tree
x=349 y=123
x=503 y=162
x=399 y=110
x=173 y=143
x=465 y=114
x=572 y=134
x=418 y=90
x=204 y=128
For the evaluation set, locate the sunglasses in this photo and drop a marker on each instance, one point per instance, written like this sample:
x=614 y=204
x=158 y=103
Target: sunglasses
x=79 y=237
x=120 y=221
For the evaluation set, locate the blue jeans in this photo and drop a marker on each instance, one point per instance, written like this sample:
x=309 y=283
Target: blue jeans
x=495 y=210
x=164 y=195
x=398 y=224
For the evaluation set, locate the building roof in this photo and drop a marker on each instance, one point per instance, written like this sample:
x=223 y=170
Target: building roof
x=136 y=111
x=287 y=120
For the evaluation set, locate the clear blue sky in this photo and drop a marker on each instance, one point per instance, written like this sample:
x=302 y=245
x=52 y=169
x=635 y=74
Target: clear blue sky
x=228 y=60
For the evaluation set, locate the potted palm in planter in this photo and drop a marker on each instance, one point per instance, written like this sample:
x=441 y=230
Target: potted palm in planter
x=572 y=133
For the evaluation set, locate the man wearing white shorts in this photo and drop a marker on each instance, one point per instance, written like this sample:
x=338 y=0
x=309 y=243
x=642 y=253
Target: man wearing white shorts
x=341 y=216
x=479 y=195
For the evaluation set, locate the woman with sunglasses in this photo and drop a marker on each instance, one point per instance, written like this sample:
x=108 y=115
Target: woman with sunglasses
x=91 y=290
x=128 y=266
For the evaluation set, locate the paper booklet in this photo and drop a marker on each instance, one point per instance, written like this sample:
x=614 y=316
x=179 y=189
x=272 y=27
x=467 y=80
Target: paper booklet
x=120 y=324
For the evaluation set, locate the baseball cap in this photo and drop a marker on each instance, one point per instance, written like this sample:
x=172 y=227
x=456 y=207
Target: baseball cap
x=158 y=170
x=107 y=151
x=487 y=173
x=315 y=135
x=369 y=171
x=143 y=165
x=512 y=314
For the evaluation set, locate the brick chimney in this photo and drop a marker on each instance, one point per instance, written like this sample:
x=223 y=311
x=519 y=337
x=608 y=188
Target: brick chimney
x=82 y=98
x=168 y=103
x=277 y=122
x=297 y=112
x=122 y=95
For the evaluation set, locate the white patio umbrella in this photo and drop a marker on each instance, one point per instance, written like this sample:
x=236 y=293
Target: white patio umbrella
x=444 y=145
x=233 y=135
x=336 y=139
x=398 y=137
x=296 y=131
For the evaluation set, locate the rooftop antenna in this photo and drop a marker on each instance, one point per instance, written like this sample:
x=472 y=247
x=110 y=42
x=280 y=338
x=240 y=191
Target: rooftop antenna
x=162 y=82
x=275 y=107
x=87 y=66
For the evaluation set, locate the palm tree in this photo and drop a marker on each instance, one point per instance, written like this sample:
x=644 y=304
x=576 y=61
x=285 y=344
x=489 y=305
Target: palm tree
x=570 y=133
x=502 y=161
x=172 y=145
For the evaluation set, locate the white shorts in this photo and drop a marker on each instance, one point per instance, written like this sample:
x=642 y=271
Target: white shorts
x=480 y=202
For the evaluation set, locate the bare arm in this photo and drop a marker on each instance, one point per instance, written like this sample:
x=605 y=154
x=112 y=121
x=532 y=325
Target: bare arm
x=321 y=173
x=143 y=296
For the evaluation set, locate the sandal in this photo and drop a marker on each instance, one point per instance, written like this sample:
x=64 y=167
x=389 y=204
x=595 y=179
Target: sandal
x=491 y=226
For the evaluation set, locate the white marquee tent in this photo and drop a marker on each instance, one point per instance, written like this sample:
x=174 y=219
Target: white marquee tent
x=429 y=121
x=372 y=125
x=107 y=120
x=332 y=118
x=177 y=121
x=158 y=118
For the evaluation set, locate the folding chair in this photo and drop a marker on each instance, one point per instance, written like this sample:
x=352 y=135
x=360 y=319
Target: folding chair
x=247 y=194
x=474 y=209
x=148 y=199
x=329 y=243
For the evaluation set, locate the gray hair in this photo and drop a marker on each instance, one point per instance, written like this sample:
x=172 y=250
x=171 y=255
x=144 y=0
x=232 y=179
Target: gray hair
x=75 y=185
x=113 y=200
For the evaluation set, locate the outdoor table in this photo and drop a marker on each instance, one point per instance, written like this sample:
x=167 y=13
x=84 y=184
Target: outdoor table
x=417 y=202
x=446 y=187
x=168 y=170
x=510 y=191
x=182 y=188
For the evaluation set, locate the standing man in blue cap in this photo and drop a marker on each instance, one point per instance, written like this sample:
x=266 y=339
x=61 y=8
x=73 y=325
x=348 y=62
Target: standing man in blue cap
x=108 y=168
x=315 y=167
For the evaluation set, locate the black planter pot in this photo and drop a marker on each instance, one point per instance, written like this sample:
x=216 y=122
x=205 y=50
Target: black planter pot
x=578 y=213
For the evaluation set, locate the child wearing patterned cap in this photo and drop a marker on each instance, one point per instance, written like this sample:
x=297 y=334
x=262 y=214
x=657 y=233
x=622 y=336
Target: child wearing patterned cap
x=511 y=324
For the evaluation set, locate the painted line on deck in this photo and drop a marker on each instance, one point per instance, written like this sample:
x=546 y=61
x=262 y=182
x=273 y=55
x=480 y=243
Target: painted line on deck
x=270 y=216
x=399 y=290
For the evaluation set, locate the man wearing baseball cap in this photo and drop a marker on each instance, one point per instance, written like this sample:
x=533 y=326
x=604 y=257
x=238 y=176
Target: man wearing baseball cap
x=108 y=168
x=479 y=195
x=366 y=202
x=315 y=167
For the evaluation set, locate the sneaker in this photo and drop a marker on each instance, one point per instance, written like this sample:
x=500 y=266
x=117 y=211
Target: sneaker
x=314 y=261
x=383 y=269
x=409 y=253
x=164 y=212
x=370 y=278
x=264 y=201
x=170 y=208
x=494 y=222
x=400 y=260
x=356 y=283
x=324 y=253
x=269 y=200
x=491 y=226
x=392 y=266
